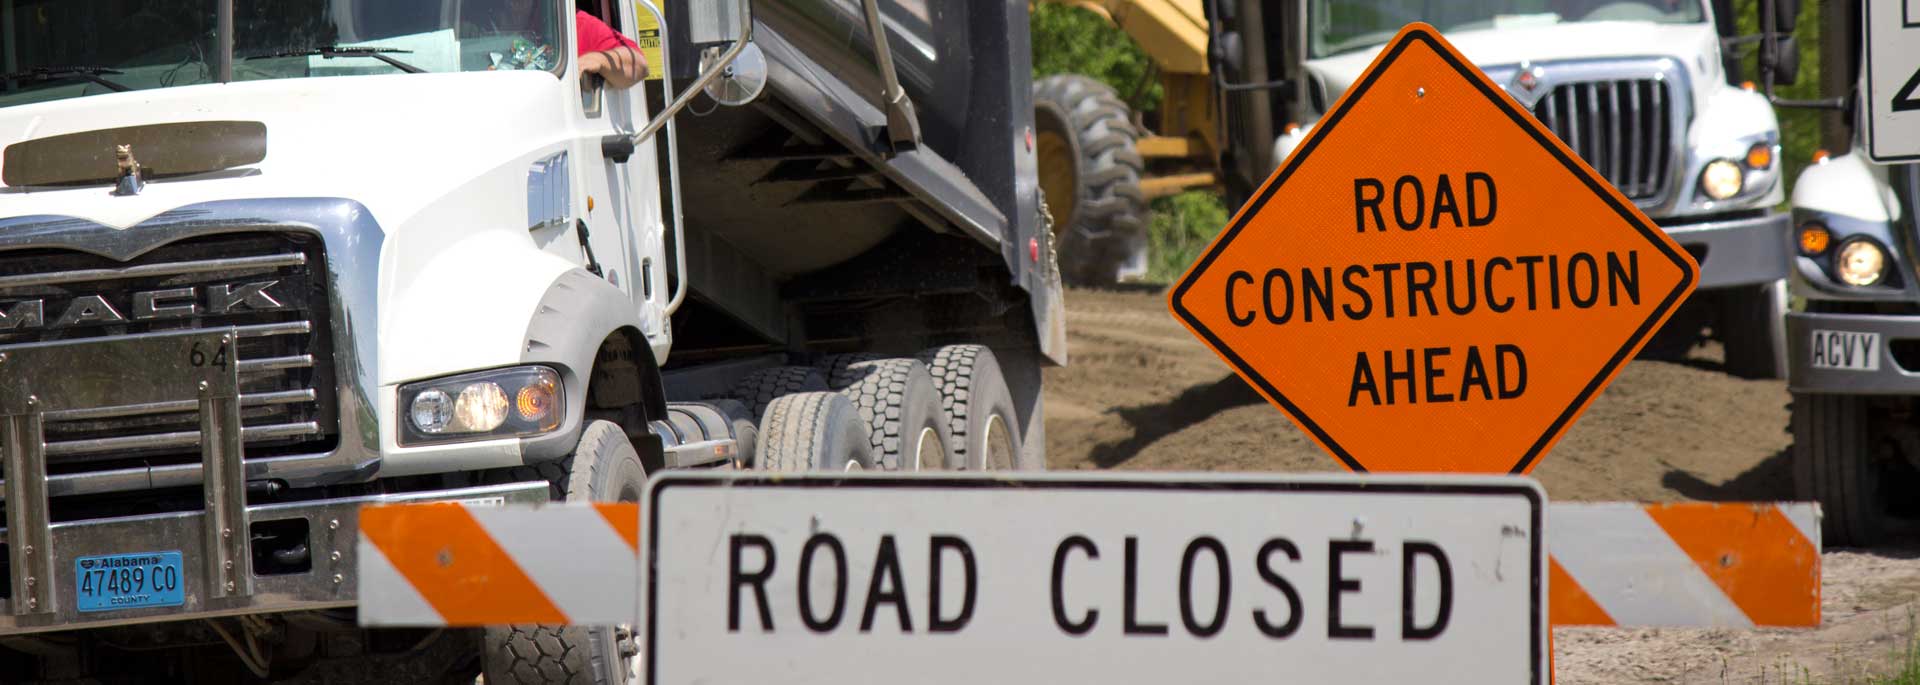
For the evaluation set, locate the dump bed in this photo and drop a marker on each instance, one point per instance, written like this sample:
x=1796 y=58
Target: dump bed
x=800 y=191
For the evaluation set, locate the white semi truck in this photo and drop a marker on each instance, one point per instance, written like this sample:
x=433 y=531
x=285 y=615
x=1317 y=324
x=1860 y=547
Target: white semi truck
x=264 y=262
x=1855 y=345
x=1638 y=89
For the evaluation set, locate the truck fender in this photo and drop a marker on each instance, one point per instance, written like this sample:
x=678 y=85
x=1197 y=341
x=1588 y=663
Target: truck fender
x=1848 y=186
x=578 y=313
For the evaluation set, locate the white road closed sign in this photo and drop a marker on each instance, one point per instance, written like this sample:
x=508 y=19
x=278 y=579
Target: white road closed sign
x=1893 y=80
x=1121 y=579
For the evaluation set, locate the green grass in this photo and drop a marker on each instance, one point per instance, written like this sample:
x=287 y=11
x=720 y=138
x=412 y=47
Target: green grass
x=1182 y=226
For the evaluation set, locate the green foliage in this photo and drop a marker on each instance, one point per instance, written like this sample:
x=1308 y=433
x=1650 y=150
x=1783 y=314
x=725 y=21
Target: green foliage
x=1799 y=128
x=1182 y=226
x=1070 y=40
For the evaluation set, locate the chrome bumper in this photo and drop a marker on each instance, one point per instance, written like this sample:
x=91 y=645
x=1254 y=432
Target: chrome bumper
x=1888 y=379
x=332 y=528
x=1744 y=251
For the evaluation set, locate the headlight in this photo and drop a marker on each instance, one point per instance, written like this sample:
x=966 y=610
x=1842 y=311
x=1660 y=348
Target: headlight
x=1860 y=262
x=502 y=403
x=1721 y=179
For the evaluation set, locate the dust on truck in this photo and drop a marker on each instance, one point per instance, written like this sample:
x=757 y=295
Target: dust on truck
x=1852 y=347
x=1640 y=90
x=264 y=262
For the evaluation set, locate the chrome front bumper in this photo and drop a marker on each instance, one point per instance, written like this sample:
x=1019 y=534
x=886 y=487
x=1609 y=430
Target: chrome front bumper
x=1889 y=378
x=332 y=528
x=1741 y=251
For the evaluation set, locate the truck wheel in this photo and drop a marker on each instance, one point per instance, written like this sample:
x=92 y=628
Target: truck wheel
x=1753 y=329
x=1835 y=464
x=603 y=468
x=762 y=387
x=978 y=407
x=899 y=404
x=1090 y=172
x=813 y=431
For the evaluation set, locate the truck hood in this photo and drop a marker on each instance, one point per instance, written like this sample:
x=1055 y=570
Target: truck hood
x=393 y=143
x=1694 y=46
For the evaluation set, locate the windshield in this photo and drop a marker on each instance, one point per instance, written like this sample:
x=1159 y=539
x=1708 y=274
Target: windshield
x=143 y=44
x=1342 y=25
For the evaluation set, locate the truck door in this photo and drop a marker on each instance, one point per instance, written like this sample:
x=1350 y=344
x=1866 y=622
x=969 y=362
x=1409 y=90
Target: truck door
x=623 y=216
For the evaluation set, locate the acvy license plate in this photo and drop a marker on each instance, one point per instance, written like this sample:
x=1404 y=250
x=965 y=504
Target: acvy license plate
x=128 y=581
x=1848 y=350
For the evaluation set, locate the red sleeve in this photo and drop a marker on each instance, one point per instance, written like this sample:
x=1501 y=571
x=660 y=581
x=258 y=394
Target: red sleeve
x=595 y=35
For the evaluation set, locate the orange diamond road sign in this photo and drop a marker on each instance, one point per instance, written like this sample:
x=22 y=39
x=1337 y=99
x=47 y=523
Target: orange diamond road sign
x=1433 y=281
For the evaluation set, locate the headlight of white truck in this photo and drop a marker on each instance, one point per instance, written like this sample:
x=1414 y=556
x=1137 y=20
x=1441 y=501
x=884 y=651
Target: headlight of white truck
x=1721 y=179
x=1860 y=262
x=502 y=403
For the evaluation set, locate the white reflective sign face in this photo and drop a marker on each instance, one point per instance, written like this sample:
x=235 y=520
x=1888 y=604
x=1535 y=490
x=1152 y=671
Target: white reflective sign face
x=1893 y=80
x=1122 y=579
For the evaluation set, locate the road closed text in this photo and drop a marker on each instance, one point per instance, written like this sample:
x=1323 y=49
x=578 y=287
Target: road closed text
x=1215 y=587
x=1438 y=208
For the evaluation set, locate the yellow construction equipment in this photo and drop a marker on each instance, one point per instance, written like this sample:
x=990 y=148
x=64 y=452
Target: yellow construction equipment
x=1100 y=163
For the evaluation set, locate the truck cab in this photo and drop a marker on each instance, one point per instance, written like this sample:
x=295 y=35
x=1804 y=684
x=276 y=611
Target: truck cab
x=263 y=263
x=1639 y=91
x=1855 y=368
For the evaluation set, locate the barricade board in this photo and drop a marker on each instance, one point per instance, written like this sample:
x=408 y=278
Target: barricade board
x=1056 y=578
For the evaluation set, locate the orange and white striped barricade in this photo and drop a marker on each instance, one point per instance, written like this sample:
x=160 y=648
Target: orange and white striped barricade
x=450 y=564
x=1728 y=565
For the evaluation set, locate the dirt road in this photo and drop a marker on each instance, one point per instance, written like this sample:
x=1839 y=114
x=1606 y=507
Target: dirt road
x=1142 y=394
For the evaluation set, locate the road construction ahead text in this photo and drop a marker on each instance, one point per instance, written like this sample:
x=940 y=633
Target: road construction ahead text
x=1356 y=292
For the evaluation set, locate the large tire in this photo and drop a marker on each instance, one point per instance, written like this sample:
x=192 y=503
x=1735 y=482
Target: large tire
x=813 y=431
x=1752 y=327
x=978 y=406
x=603 y=468
x=1090 y=171
x=761 y=388
x=899 y=404
x=1835 y=463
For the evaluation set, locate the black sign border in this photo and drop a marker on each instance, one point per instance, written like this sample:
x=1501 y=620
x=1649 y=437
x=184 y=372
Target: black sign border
x=1527 y=123
x=1536 y=564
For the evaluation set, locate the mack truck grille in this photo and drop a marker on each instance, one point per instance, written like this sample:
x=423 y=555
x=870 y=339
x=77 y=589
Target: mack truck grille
x=269 y=286
x=1623 y=128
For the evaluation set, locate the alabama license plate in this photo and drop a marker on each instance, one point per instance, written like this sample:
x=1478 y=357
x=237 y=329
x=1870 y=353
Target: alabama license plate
x=1846 y=350
x=128 y=581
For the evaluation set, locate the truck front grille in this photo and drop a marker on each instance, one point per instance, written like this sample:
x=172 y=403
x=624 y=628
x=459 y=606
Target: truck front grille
x=1623 y=128
x=269 y=286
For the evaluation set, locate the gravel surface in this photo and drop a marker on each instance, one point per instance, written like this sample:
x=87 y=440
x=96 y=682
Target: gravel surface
x=1142 y=394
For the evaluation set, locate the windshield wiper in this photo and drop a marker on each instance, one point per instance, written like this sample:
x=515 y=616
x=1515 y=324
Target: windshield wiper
x=332 y=51
x=57 y=73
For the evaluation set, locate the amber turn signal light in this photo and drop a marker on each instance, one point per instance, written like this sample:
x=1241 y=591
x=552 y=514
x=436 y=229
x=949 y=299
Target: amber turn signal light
x=1760 y=156
x=1814 y=239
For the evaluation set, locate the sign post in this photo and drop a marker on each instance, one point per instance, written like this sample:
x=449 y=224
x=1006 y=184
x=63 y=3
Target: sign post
x=1433 y=282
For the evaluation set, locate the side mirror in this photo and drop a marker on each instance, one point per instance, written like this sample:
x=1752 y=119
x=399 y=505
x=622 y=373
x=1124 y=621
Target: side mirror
x=1784 y=51
x=1785 y=14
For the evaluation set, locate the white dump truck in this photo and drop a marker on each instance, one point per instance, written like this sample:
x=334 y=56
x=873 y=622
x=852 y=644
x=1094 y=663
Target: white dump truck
x=1855 y=346
x=1639 y=89
x=264 y=262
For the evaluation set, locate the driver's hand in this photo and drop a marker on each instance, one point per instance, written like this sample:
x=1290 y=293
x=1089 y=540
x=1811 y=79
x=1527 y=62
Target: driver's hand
x=621 y=67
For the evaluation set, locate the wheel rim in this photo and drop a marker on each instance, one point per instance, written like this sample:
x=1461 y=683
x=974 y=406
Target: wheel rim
x=1059 y=169
x=997 y=448
x=928 y=450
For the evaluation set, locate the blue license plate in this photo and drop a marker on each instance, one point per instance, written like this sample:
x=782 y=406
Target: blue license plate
x=128 y=581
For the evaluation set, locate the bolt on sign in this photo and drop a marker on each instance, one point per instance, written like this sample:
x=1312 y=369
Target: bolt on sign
x=1433 y=281
x=1123 y=578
